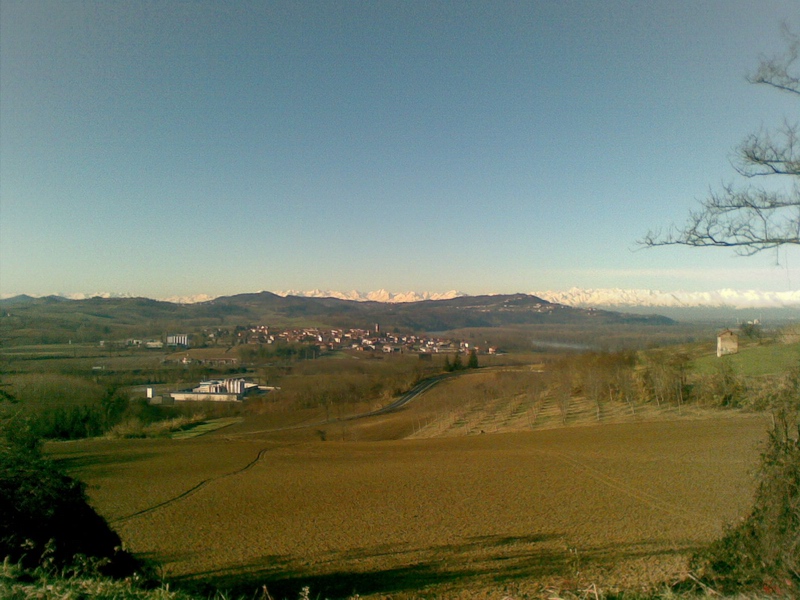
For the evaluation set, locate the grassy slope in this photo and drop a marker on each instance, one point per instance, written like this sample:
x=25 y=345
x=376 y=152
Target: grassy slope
x=754 y=359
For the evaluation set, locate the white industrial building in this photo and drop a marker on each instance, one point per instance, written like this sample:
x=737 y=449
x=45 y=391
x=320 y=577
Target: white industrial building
x=178 y=339
x=216 y=390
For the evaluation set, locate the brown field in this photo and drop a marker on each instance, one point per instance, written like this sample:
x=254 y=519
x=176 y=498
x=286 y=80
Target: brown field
x=418 y=502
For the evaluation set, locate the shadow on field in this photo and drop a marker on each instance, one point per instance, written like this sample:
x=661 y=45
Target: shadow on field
x=492 y=560
x=83 y=461
x=340 y=584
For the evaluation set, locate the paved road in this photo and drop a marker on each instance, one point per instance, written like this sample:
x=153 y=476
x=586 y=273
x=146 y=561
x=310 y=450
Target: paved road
x=422 y=387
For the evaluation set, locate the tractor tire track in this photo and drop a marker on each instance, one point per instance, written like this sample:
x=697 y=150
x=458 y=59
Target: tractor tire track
x=196 y=488
x=644 y=497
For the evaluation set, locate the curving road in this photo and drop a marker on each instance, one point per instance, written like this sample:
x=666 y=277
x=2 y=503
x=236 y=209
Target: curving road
x=422 y=387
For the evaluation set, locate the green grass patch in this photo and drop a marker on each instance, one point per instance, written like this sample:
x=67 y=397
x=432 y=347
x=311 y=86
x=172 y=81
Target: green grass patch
x=205 y=427
x=753 y=361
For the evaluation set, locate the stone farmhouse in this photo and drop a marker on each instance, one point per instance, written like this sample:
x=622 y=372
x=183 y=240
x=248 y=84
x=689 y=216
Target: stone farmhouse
x=727 y=342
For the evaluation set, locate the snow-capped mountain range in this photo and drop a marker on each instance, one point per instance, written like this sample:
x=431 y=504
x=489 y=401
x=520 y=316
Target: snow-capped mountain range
x=725 y=298
x=376 y=296
x=608 y=297
x=578 y=297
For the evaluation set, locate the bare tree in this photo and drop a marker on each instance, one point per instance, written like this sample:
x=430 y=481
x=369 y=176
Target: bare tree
x=624 y=385
x=594 y=379
x=752 y=217
x=561 y=385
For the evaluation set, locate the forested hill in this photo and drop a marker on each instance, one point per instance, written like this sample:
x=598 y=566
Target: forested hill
x=54 y=319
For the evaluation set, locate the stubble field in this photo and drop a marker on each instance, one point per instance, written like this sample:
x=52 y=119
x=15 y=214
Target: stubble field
x=614 y=504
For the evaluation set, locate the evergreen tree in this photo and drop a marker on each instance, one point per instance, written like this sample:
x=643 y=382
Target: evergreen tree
x=472 y=363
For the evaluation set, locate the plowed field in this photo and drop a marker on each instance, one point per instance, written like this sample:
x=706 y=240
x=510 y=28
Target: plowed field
x=486 y=515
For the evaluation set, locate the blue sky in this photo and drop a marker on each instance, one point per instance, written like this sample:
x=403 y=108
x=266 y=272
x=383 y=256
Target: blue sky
x=178 y=148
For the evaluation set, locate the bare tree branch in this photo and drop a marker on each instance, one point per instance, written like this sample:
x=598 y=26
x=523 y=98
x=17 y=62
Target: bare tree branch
x=777 y=70
x=750 y=219
x=761 y=154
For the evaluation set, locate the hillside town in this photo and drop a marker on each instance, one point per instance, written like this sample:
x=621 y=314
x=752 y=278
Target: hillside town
x=359 y=340
x=319 y=340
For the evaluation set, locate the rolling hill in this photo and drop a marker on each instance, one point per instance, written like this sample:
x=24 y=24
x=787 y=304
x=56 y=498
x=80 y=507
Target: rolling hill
x=53 y=319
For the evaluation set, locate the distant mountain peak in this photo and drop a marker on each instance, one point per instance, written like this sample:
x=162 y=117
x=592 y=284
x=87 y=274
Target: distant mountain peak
x=381 y=295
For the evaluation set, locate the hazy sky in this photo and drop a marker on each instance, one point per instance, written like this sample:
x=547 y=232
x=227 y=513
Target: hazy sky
x=183 y=147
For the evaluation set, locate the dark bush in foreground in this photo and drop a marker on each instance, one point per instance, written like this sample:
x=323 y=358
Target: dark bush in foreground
x=46 y=519
x=763 y=551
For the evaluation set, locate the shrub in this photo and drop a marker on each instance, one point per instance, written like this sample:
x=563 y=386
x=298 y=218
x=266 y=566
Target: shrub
x=66 y=408
x=135 y=428
x=722 y=388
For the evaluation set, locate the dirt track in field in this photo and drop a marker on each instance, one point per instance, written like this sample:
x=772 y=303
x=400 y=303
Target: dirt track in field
x=612 y=504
